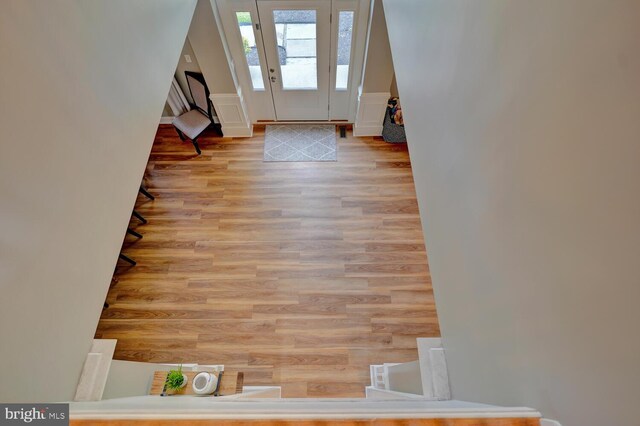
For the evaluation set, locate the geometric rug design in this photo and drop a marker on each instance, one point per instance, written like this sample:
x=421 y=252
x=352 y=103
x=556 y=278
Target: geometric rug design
x=300 y=142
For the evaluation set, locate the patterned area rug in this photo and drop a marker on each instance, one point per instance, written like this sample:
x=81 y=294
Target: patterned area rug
x=300 y=142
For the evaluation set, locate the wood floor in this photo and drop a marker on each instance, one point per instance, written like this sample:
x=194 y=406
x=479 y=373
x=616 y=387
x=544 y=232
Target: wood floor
x=299 y=274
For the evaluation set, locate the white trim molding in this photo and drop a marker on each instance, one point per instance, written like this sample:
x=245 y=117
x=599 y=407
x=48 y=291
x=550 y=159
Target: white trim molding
x=95 y=370
x=370 y=115
x=167 y=119
x=232 y=112
x=156 y=407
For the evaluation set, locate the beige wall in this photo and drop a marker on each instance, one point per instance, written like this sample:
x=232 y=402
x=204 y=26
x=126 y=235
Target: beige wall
x=166 y=111
x=207 y=44
x=378 y=71
x=394 y=87
x=523 y=120
x=183 y=66
x=69 y=177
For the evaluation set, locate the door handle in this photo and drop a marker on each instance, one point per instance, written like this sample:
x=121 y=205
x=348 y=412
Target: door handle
x=271 y=70
x=273 y=79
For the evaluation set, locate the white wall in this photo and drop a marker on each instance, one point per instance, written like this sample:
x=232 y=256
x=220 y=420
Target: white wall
x=375 y=89
x=69 y=175
x=206 y=41
x=523 y=120
x=378 y=70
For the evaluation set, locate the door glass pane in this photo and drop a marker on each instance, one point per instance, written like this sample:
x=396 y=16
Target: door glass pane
x=345 y=35
x=250 y=49
x=296 y=38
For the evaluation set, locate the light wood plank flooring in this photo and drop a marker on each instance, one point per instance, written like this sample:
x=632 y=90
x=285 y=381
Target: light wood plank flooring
x=299 y=274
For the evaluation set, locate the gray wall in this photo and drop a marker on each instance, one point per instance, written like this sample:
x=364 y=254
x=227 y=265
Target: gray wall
x=378 y=70
x=523 y=120
x=69 y=177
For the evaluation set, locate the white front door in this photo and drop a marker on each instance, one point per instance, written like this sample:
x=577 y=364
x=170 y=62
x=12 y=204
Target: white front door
x=296 y=35
x=293 y=61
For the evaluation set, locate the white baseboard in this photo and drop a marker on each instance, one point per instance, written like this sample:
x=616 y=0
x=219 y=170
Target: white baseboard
x=166 y=120
x=237 y=132
x=366 y=130
x=370 y=115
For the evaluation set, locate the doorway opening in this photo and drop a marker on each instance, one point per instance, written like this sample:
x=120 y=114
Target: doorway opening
x=297 y=59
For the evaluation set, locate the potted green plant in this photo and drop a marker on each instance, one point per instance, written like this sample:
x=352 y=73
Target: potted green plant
x=176 y=379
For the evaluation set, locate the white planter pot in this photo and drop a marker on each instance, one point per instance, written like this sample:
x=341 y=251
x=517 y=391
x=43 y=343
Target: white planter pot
x=204 y=383
x=184 y=380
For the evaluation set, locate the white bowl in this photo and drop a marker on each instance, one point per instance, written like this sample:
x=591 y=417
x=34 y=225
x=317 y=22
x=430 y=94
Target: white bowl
x=204 y=383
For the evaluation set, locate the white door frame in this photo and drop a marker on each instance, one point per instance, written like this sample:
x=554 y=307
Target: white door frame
x=304 y=103
x=342 y=103
x=259 y=100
